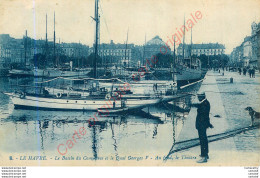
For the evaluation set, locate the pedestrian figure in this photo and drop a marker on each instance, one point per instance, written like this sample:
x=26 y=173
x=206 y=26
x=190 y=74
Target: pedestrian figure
x=202 y=124
x=239 y=70
x=250 y=72
x=253 y=73
x=244 y=71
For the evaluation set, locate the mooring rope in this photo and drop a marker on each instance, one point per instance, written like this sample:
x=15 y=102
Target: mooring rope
x=227 y=134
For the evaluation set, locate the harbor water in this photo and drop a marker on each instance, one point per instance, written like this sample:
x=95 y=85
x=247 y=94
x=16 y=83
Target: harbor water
x=151 y=131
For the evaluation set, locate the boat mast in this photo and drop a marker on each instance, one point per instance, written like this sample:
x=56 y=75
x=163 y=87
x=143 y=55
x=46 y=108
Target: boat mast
x=96 y=39
x=174 y=61
x=191 y=48
x=174 y=57
x=46 y=40
x=46 y=47
x=126 y=47
x=54 y=41
x=144 y=49
x=183 y=40
x=25 y=48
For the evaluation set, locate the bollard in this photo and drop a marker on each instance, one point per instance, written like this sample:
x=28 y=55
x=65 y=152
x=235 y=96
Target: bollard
x=231 y=80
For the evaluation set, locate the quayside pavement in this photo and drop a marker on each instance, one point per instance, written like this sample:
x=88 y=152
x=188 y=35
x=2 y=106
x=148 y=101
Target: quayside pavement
x=228 y=102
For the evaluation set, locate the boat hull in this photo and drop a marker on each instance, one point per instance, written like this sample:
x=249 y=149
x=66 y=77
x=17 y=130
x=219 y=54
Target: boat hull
x=17 y=72
x=32 y=102
x=188 y=74
x=58 y=73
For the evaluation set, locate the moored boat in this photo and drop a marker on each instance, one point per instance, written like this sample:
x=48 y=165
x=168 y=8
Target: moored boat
x=28 y=101
x=54 y=72
x=21 y=72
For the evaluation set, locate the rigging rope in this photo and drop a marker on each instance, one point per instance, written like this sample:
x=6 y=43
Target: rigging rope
x=77 y=79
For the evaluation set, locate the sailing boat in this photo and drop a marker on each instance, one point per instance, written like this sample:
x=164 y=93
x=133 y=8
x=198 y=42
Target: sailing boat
x=190 y=68
x=60 y=102
x=57 y=72
x=24 y=71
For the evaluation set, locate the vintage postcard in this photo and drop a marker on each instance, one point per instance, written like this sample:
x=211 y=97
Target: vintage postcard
x=129 y=83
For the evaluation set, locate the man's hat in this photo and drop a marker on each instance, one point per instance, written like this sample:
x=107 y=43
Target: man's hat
x=201 y=94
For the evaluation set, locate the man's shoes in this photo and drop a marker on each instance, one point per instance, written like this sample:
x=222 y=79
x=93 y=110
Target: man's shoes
x=202 y=160
x=205 y=156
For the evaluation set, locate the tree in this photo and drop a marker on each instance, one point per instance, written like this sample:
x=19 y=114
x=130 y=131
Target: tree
x=215 y=61
x=164 y=60
x=90 y=60
x=39 y=60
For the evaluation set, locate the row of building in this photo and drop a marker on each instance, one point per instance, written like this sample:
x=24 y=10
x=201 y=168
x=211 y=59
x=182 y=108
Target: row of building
x=209 y=49
x=116 y=53
x=247 y=54
x=23 y=50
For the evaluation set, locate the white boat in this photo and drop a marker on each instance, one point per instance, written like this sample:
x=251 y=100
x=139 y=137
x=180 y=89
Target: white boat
x=68 y=91
x=83 y=104
x=145 y=87
x=54 y=72
x=128 y=72
x=85 y=93
x=21 y=72
x=49 y=72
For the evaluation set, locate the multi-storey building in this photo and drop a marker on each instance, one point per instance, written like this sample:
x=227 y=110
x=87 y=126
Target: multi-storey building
x=23 y=50
x=10 y=49
x=73 y=49
x=199 y=49
x=247 y=50
x=247 y=53
x=154 y=46
x=236 y=56
x=118 y=54
x=255 y=40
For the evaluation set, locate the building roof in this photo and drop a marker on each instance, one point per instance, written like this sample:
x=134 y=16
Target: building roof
x=155 y=41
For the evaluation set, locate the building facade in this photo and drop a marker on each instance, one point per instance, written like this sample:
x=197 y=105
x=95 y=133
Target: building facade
x=255 y=40
x=236 y=56
x=73 y=49
x=247 y=51
x=23 y=50
x=118 y=54
x=247 y=54
x=209 y=49
x=154 y=46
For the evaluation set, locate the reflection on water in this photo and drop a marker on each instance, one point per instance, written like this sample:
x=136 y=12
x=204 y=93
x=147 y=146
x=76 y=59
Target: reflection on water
x=151 y=131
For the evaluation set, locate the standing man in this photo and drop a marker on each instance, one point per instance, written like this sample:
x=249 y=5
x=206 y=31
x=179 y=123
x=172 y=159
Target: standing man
x=253 y=72
x=202 y=123
x=244 y=71
x=239 y=70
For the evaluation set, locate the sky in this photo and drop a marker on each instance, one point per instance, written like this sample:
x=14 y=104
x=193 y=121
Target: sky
x=223 y=21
